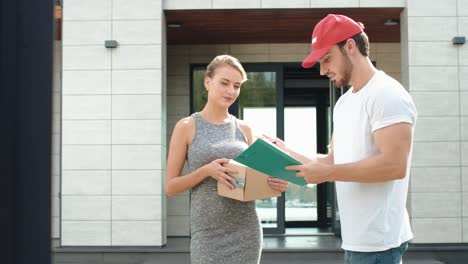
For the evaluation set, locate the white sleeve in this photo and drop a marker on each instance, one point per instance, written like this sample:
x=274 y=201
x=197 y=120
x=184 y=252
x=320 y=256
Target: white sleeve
x=390 y=105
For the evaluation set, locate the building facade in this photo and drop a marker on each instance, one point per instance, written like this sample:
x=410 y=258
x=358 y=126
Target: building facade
x=115 y=108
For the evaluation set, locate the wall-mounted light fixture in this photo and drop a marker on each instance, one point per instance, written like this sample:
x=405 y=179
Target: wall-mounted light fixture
x=174 y=25
x=391 y=22
x=111 y=44
x=458 y=40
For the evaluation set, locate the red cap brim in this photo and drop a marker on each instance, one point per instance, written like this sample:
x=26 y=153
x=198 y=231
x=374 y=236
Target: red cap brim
x=314 y=56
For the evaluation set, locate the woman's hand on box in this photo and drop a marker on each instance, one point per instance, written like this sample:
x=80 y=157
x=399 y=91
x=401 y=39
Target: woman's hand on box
x=217 y=171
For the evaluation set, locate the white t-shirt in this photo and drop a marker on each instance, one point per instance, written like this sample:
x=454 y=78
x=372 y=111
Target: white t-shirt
x=373 y=215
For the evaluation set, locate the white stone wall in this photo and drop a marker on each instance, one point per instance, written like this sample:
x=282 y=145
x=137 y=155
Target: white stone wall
x=113 y=124
x=109 y=113
x=386 y=55
x=435 y=71
x=241 y=4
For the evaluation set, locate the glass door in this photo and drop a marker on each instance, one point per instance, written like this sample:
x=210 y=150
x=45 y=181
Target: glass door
x=258 y=105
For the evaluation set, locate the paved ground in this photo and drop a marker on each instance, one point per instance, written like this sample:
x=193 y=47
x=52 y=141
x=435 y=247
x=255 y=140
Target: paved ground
x=317 y=249
x=446 y=257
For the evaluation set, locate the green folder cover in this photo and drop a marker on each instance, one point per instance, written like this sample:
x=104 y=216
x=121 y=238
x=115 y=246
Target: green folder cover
x=266 y=158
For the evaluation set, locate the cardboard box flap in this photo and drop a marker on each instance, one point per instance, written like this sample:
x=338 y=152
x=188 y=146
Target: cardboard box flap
x=257 y=187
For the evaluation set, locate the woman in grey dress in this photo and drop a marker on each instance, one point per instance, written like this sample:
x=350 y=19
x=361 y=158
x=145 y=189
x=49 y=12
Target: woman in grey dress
x=223 y=230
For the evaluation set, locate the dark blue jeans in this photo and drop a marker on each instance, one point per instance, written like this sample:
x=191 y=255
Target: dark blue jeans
x=390 y=256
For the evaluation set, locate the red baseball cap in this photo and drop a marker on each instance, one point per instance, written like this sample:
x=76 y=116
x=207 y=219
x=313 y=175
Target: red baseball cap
x=330 y=31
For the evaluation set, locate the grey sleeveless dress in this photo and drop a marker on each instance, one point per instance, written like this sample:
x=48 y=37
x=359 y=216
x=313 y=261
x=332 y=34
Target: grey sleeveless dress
x=223 y=230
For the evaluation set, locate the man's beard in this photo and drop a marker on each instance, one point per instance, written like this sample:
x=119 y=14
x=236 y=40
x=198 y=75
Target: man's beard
x=347 y=70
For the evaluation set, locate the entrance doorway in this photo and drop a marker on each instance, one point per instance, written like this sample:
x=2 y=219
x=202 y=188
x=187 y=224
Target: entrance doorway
x=292 y=103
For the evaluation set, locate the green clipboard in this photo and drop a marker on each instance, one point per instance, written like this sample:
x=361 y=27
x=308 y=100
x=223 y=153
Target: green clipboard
x=266 y=158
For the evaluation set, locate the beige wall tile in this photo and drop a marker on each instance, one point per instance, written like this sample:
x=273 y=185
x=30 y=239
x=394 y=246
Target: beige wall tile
x=137 y=31
x=430 y=103
x=463 y=78
x=462 y=8
x=389 y=62
x=462 y=55
x=86 y=157
x=443 y=154
x=464 y=128
x=437 y=230
x=182 y=4
x=464 y=103
x=209 y=50
x=236 y=4
x=178 y=50
x=465 y=229
x=139 y=207
x=437 y=129
x=86 y=10
x=86 y=107
x=86 y=208
x=137 y=182
x=446 y=52
x=386 y=48
x=136 y=131
x=86 y=82
x=396 y=76
x=382 y=3
x=446 y=78
x=432 y=28
x=129 y=157
x=136 y=9
x=137 y=57
x=285 y=4
x=432 y=8
x=86 y=32
x=86 y=58
x=86 y=132
x=86 y=182
x=86 y=233
x=287 y=57
x=334 y=3
x=137 y=233
x=136 y=107
x=253 y=49
x=178 y=85
x=465 y=204
x=464 y=179
x=178 y=105
x=136 y=81
x=436 y=204
x=435 y=179
x=464 y=153
x=253 y=58
x=290 y=48
x=178 y=65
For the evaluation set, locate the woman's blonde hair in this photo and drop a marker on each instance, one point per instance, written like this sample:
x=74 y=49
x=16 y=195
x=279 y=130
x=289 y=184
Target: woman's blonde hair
x=222 y=60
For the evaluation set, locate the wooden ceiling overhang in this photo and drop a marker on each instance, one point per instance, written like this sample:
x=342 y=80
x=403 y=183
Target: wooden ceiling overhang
x=244 y=26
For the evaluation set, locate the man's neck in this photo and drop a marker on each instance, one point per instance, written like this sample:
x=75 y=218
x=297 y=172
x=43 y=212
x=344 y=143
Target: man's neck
x=362 y=73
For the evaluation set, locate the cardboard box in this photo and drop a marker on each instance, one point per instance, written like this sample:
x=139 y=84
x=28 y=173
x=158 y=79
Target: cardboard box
x=251 y=184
